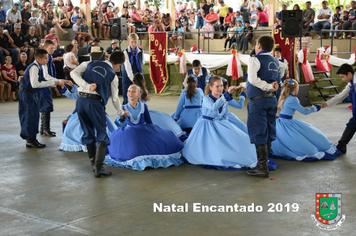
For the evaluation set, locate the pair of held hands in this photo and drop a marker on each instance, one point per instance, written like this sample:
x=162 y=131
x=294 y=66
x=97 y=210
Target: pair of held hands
x=233 y=88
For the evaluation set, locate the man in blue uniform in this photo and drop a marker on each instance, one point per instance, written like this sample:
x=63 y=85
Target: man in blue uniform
x=97 y=81
x=34 y=79
x=263 y=80
x=347 y=74
x=200 y=73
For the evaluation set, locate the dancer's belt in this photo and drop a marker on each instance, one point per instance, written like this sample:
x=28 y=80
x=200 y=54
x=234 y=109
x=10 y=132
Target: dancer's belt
x=25 y=90
x=264 y=95
x=191 y=107
x=207 y=118
x=89 y=95
x=285 y=116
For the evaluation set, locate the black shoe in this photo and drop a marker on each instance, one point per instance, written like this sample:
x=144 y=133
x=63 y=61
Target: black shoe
x=33 y=143
x=99 y=161
x=48 y=133
x=221 y=37
x=40 y=144
x=91 y=153
x=45 y=125
x=345 y=139
x=261 y=170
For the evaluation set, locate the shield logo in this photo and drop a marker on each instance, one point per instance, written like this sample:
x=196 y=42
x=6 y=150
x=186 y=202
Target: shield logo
x=328 y=208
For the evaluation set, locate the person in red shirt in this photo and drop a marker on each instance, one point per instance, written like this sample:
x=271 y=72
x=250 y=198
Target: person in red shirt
x=211 y=20
x=107 y=16
x=230 y=17
x=262 y=18
x=8 y=72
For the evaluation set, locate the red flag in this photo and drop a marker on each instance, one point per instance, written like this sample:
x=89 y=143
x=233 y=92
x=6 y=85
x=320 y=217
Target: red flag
x=158 y=60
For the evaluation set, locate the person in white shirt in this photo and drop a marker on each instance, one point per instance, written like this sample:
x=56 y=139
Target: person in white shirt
x=13 y=16
x=324 y=17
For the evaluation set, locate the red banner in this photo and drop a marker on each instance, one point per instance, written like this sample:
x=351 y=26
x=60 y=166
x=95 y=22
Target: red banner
x=158 y=60
x=285 y=44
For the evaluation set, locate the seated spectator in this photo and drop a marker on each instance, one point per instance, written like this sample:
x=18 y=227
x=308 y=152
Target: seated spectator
x=211 y=21
x=231 y=35
x=191 y=10
x=139 y=10
x=45 y=3
x=323 y=16
x=112 y=48
x=43 y=26
x=32 y=40
x=34 y=22
x=8 y=72
x=130 y=26
x=137 y=21
x=238 y=17
x=51 y=19
x=183 y=19
x=279 y=14
x=95 y=43
x=53 y=35
x=107 y=16
x=160 y=25
x=57 y=56
x=336 y=20
x=308 y=18
x=351 y=23
x=19 y=43
x=104 y=7
x=84 y=32
x=279 y=24
x=230 y=17
x=13 y=16
x=239 y=33
x=59 y=8
x=117 y=12
x=6 y=46
x=34 y=6
x=125 y=5
x=64 y=18
x=26 y=15
x=22 y=65
x=2 y=16
x=344 y=18
x=146 y=20
x=262 y=18
x=248 y=35
x=75 y=15
x=145 y=6
x=70 y=61
x=177 y=34
x=296 y=7
x=154 y=28
x=96 y=23
x=167 y=22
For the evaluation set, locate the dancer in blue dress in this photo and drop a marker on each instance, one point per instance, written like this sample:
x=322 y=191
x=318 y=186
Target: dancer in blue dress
x=159 y=118
x=72 y=131
x=214 y=140
x=189 y=105
x=296 y=139
x=237 y=104
x=139 y=143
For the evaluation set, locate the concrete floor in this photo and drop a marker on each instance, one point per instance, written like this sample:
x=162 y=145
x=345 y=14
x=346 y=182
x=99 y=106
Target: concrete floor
x=49 y=192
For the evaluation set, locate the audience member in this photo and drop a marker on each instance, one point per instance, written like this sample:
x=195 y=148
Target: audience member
x=324 y=17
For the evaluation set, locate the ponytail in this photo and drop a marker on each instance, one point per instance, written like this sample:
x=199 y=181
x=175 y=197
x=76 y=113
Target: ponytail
x=140 y=81
x=289 y=86
x=191 y=88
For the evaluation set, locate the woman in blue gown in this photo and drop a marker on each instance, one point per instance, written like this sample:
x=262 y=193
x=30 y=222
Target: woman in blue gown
x=189 y=105
x=158 y=118
x=215 y=141
x=237 y=104
x=296 y=139
x=72 y=131
x=138 y=143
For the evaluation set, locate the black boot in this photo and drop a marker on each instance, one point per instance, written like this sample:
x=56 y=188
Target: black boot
x=99 y=161
x=45 y=127
x=91 y=153
x=33 y=143
x=345 y=139
x=261 y=170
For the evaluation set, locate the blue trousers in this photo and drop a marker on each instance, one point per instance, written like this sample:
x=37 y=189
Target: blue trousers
x=92 y=117
x=29 y=114
x=352 y=124
x=244 y=41
x=126 y=82
x=46 y=101
x=318 y=26
x=261 y=120
x=13 y=54
x=200 y=22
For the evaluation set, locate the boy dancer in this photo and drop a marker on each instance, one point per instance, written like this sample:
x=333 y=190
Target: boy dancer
x=200 y=73
x=347 y=74
x=263 y=79
x=35 y=78
x=134 y=60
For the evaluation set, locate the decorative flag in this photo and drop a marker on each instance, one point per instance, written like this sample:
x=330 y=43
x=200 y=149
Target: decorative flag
x=322 y=59
x=285 y=45
x=158 y=60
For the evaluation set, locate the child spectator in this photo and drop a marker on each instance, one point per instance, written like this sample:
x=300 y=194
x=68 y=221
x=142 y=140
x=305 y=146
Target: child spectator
x=248 y=35
x=335 y=22
x=8 y=72
x=253 y=15
x=177 y=34
x=230 y=36
x=183 y=19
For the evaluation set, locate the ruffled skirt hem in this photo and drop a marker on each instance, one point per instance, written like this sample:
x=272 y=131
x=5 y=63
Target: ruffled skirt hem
x=73 y=148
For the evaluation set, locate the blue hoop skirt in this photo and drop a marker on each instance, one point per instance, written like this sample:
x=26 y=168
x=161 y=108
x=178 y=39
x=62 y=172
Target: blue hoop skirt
x=73 y=132
x=299 y=141
x=146 y=145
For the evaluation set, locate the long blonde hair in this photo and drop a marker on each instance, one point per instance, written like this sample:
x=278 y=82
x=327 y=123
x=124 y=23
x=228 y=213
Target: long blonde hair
x=288 y=88
x=212 y=79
